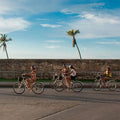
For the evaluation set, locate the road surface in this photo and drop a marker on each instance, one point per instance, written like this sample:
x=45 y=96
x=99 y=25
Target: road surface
x=51 y=105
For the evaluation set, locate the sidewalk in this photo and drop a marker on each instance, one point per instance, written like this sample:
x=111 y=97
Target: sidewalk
x=46 y=84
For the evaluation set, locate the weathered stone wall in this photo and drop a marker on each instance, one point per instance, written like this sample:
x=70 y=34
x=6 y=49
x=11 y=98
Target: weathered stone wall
x=45 y=68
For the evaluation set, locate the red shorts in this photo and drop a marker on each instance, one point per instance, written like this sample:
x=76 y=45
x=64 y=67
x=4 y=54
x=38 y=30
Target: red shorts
x=30 y=80
x=106 y=78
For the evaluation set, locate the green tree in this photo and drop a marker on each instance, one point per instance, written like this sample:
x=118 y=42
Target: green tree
x=73 y=33
x=3 y=44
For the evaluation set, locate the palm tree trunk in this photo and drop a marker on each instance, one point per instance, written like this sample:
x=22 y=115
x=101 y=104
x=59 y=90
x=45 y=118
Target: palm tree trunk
x=78 y=50
x=6 y=52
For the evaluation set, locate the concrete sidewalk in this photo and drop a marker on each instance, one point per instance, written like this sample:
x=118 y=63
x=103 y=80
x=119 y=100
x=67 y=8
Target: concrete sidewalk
x=46 y=84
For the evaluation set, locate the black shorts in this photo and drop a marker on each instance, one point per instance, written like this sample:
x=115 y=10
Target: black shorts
x=72 y=77
x=66 y=75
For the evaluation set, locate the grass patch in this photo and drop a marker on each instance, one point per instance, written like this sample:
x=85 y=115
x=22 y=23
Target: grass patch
x=82 y=80
x=15 y=80
x=86 y=80
x=7 y=80
x=49 y=80
x=42 y=80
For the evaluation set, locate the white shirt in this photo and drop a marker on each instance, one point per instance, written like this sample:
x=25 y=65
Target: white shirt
x=73 y=72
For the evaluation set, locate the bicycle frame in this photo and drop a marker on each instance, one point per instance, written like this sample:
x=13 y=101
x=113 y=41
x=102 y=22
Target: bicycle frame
x=24 y=82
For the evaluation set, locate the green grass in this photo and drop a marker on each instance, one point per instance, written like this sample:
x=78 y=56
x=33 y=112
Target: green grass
x=15 y=80
x=7 y=80
x=41 y=80
x=44 y=80
x=86 y=80
x=48 y=80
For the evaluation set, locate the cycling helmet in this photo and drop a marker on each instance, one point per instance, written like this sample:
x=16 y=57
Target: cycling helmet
x=70 y=66
x=33 y=66
x=108 y=67
x=64 y=64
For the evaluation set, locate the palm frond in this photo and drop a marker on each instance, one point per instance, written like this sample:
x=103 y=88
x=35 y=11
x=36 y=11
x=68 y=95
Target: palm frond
x=4 y=38
x=77 y=31
x=1 y=35
x=71 y=32
x=3 y=41
x=8 y=40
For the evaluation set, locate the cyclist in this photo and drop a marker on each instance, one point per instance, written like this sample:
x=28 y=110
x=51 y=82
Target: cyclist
x=32 y=76
x=107 y=75
x=72 y=72
x=70 y=76
x=65 y=72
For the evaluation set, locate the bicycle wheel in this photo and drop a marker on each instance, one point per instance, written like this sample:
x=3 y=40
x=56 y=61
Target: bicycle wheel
x=112 y=85
x=59 y=86
x=19 y=88
x=76 y=86
x=97 y=85
x=38 y=88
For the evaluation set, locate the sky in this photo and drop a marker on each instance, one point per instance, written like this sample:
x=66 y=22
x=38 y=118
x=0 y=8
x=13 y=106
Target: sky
x=38 y=28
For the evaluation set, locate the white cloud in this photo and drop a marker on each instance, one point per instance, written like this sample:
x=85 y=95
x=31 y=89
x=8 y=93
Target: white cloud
x=42 y=19
x=50 y=25
x=80 y=8
x=12 y=24
x=6 y=7
x=67 y=11
x=96 y=26
x=54 y=41
x=93 y=21
x=101 y=19
x=52 y=47
x=107 y=43
x=29 y=6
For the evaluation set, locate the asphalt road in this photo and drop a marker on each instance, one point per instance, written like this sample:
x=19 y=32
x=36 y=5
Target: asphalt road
x=51 y=105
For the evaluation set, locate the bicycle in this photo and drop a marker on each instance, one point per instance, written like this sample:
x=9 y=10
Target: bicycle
x=60 y=84
x=20 y=86
x=99 y=84
x=54 y=79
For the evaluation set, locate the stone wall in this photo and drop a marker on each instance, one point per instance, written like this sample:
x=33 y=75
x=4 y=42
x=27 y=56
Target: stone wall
x=45 y=68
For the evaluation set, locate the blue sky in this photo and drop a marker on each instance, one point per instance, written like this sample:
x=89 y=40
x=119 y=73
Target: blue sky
x=38 y=28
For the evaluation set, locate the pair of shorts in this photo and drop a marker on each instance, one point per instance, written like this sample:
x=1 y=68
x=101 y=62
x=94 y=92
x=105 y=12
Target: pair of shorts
x=106 y=78
x=66 y=75
x=72 y=77
x=30 y=80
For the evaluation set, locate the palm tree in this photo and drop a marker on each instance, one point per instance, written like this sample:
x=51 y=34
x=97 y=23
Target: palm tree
x=3 y=44
x=73 y=33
